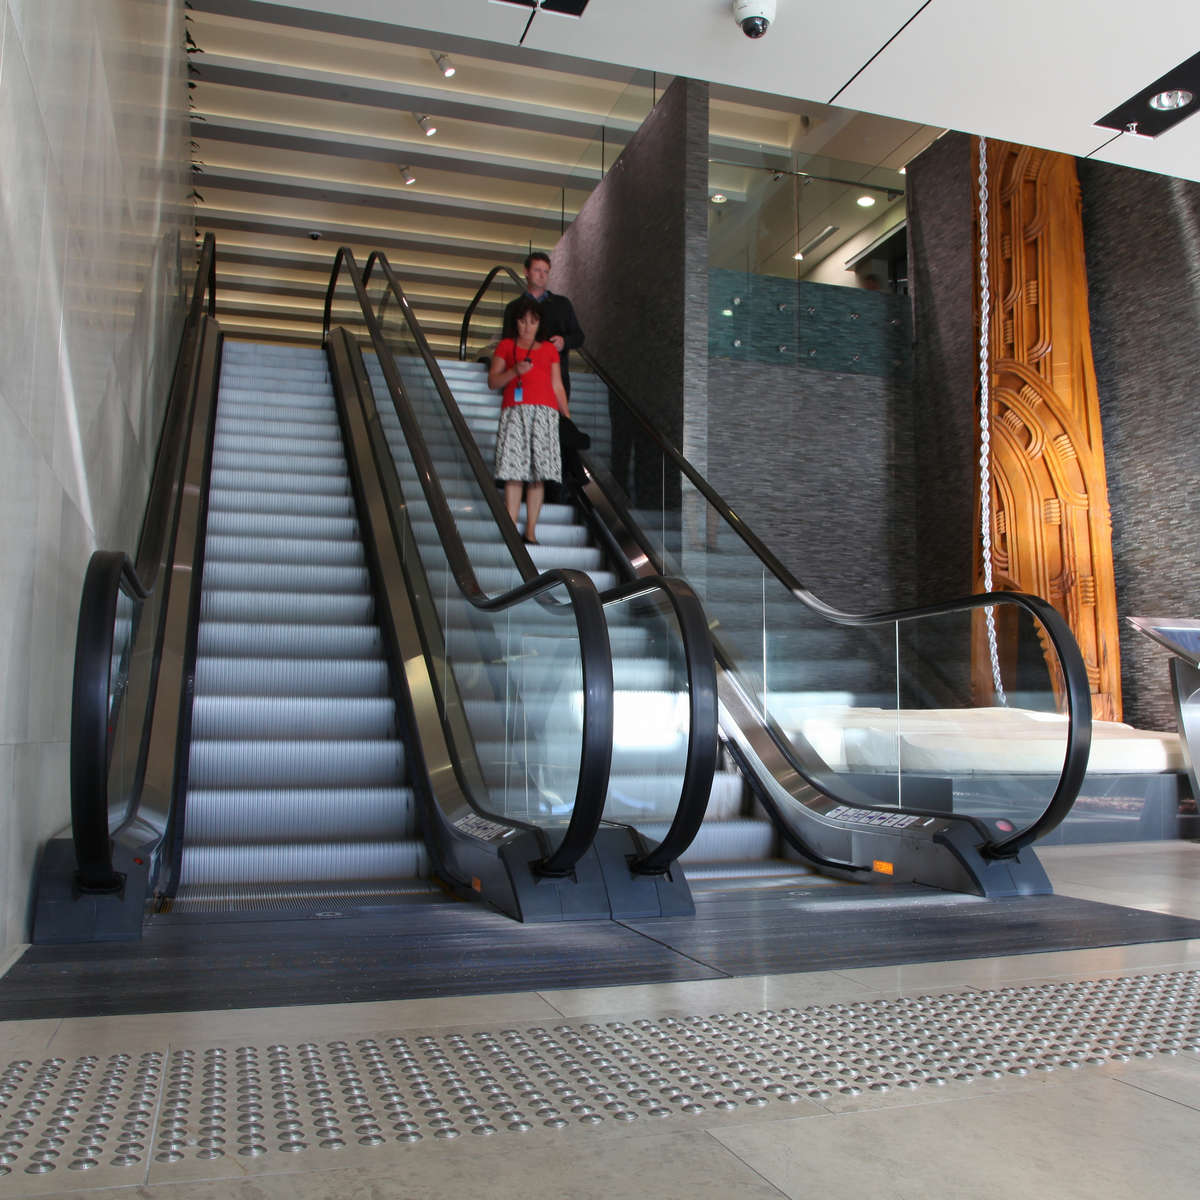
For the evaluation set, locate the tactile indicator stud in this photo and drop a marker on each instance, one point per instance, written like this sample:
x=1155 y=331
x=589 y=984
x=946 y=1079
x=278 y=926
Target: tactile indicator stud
x=314 y=1097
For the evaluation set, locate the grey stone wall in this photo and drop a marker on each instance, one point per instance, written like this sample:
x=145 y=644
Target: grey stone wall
x=635 y=264
x=941 y=258
x=809 y=387
x=1142 y=234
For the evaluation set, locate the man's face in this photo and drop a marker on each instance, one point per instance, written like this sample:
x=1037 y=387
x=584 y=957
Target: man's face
x=537 y=275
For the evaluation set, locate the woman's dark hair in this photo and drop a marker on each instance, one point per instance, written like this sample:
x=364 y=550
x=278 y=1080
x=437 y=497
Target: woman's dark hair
x=523 y=305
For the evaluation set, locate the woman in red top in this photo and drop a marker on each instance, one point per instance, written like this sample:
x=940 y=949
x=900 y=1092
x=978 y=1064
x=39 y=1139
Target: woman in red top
x=527 y=452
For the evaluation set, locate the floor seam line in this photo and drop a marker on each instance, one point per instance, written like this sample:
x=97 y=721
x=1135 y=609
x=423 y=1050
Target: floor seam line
x=675 y=950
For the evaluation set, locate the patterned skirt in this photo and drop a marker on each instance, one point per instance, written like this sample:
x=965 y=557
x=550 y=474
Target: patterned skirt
x=527 y=444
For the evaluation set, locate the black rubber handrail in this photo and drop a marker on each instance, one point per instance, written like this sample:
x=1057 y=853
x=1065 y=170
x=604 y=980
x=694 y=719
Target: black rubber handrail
x=1076 y=688
x=109 y=572
x=583 y=598
x=702 y=748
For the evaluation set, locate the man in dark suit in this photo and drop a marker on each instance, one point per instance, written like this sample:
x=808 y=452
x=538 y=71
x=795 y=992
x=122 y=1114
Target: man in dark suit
x=559 y=323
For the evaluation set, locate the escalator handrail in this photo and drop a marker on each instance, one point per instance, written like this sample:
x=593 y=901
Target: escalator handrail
x=108 y=573
x=583 y=599
x=702 y=748
x=1076 y=687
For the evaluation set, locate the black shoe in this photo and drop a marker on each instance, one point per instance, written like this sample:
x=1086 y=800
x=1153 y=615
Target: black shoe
x=530 y=541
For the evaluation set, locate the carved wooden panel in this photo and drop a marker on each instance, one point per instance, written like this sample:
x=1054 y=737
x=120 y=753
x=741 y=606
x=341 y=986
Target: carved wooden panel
x=1051 y=528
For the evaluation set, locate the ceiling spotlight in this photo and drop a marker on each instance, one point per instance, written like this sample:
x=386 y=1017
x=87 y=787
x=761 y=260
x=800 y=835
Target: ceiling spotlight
x=1172 y=100
x=799 y=256
x=727 y=312
x=443 y=64
x=719 y=197
x=426 y=123
x=866 y=201
x=409 y=177
x=902 y=171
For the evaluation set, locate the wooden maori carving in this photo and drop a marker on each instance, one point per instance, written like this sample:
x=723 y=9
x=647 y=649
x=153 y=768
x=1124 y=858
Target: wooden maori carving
x=1051 y=528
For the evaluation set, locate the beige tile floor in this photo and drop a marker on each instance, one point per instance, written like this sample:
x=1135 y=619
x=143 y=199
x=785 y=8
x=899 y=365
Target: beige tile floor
x=1108 y=1131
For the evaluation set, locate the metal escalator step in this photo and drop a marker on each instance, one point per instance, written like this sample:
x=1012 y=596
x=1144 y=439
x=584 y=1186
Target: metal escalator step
x=291 y=677
x=227 y=523
x=283 y=815
x=242 y=480
x=338 y=503
x=291 y=764
x=286 y=465
x=269 y=397
x=327 y=862
x=263 y=639
x=285 y=577
x=278 y=444
x=270 y=717
x=289 y=608
x=246 y=423
x=283 y=551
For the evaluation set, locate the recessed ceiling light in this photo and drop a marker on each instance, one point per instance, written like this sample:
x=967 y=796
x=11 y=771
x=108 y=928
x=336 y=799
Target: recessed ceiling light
x=866 y=201
x=443 y=64
x=727 y=312
x=719 y=197
x=426 y=123
x=1170 y=101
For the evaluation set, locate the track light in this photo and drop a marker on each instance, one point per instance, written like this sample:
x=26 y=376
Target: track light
x=409 y=177
x=427 y=125
x=443 y=64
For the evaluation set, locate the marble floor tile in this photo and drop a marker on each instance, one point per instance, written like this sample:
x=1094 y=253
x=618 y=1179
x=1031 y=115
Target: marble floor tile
x=1094 y=1138
x=709 y=995
x=1026 y=968
x=1178 y=1081
x=219 y=1027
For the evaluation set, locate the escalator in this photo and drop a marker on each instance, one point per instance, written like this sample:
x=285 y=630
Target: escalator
x=933 y=745
x=301 y=704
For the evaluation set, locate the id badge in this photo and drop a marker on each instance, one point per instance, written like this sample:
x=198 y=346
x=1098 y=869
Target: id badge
x=518 y=394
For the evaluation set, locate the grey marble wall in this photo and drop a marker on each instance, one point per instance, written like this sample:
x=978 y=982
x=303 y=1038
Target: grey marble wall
x=811 y=430
x=941 y=260
x=93 y=225
x=1142 y=234
x=819 y=465
x=635 y=264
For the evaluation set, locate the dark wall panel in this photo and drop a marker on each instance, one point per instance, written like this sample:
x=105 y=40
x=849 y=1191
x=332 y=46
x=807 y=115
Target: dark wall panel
x=635 y=264
x=945 y=365
x=1142 y=234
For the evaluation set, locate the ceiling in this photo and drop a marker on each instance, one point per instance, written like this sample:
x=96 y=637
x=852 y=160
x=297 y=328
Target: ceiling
x=306 y=113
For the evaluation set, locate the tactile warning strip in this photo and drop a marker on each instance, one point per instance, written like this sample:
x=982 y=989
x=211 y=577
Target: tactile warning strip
x=121 y=1110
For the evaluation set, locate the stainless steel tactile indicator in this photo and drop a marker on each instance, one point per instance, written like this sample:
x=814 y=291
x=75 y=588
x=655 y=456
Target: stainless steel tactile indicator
x=124 y=1110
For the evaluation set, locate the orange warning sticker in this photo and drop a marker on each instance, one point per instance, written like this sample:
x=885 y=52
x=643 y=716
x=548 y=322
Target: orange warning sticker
x=884 y=868
x=477 y=883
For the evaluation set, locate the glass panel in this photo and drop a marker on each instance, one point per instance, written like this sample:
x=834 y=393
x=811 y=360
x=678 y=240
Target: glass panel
x=893 y=714
x=651 y=713
x=124 y=727
x=509 y=683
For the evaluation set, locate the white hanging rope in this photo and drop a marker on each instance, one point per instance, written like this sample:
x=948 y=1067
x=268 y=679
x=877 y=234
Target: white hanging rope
x=985 y=437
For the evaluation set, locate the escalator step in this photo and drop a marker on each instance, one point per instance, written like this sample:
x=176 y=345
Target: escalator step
x=290 y=677
x=300 y=814
x=292 y=764
x=243 y=717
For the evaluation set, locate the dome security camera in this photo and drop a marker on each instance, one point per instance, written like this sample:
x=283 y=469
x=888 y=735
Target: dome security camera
x=754 y=16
